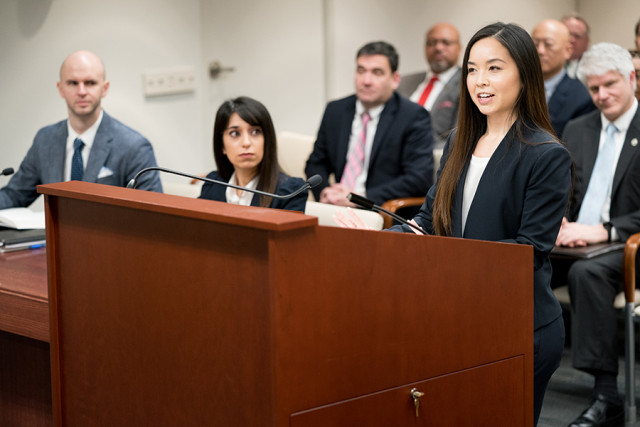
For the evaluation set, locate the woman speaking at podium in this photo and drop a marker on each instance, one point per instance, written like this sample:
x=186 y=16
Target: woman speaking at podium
x=245 y=151
x=503 y=175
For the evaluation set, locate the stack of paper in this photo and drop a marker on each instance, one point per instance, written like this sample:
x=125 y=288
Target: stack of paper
x=21 y=218
x=21 y=228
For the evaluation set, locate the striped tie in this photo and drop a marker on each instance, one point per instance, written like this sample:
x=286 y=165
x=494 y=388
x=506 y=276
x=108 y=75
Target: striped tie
x=355 y=159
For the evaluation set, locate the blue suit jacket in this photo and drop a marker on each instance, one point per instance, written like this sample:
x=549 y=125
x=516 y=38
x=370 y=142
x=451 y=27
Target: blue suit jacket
x=570 y=100
x=521 y=198
x=401 y=163
x=286 y=185
x=116 y=148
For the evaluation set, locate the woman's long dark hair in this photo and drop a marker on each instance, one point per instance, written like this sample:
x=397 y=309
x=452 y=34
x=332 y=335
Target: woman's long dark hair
x=254 y=113
x=530 y=112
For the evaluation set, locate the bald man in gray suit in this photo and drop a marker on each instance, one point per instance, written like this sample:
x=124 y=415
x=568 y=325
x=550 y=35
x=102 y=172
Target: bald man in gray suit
x=438 y=90
x=89 y=146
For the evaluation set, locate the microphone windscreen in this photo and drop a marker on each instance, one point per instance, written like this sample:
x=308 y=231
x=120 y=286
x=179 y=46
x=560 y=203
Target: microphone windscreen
x=314 y=180
x=361 y=201
x=9 y=171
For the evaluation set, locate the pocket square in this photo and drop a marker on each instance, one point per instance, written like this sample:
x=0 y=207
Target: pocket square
x=105 y=172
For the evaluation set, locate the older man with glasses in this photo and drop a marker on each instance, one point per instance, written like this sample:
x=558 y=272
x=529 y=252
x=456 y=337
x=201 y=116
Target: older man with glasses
x=438 y=89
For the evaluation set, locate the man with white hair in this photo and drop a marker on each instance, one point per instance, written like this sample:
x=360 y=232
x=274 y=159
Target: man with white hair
x=605 y=207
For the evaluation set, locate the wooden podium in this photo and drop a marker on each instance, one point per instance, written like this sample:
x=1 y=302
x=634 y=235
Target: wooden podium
x=172 y=311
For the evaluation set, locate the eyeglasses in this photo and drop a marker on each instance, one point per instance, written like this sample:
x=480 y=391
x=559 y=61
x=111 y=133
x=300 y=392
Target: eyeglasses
x=445 y=42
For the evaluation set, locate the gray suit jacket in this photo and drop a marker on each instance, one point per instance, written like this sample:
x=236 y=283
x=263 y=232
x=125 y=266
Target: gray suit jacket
x=117 y=154
x=444 y=113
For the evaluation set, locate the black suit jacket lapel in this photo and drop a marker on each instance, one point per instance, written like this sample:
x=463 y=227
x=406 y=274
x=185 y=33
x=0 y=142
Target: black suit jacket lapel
x=628 y=151
x=589 y=148
x=558 y=98
x=344 y=134
x=384 y=124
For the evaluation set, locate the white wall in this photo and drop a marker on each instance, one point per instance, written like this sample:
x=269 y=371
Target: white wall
x=276 y=48
x=403 y=23
x=611 y=21
x=308 y=44
x=130 y=37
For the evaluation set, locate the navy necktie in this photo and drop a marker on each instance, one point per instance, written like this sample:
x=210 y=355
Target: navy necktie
x=77 y=165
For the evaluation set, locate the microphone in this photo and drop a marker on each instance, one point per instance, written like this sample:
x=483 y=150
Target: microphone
x=310 y=183
x=365 y=203
x=7 y=171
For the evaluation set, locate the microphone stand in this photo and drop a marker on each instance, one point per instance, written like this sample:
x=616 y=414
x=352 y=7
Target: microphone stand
x=311 y=182
x=365 y=203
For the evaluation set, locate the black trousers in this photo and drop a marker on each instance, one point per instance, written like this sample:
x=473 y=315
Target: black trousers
x=593 y=286
x=548 y=343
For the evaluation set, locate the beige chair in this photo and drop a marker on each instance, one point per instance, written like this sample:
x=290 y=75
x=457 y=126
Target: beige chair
x=325 y=212
x=293 y=151
x=188 y=188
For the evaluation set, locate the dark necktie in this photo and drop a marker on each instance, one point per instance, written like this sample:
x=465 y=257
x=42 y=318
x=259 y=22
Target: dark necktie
x=77 y=165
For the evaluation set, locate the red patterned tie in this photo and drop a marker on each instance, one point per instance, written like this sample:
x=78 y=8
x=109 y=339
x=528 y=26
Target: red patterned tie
x=427 y=90
x=355 y=160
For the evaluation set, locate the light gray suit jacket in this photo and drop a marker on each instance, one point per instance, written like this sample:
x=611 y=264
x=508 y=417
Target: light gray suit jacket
x=117 y=154
x=444 y=113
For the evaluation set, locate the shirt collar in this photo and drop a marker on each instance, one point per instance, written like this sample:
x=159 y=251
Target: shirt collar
x=623 y=122
x=443 y=77
x=87 y=136
x=552 y=83
x=246 y=196
x=373 y=112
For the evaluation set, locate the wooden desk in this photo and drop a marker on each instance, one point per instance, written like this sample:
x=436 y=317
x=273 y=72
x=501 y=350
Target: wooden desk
x=25 y=373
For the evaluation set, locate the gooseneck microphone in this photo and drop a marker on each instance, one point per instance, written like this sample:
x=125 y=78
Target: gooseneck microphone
x=365 y=203
x=310 y=183
x=6 y=171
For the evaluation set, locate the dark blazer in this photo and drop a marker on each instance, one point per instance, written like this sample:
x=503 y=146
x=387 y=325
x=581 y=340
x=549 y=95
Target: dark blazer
x=286 y=185
x=521 y=198
x=570 y=100
x=401 y=163
x=582 y=137
x=444 y=113
x=118 y=153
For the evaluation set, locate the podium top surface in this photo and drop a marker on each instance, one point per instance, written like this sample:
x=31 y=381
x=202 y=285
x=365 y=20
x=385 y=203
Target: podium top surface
x=244 y=216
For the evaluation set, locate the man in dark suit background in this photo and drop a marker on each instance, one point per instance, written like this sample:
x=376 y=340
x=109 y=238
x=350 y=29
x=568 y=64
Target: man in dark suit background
x=376 y=143
x=605 y=206
x=567 y=98
x=438 y=90
x=89 y=146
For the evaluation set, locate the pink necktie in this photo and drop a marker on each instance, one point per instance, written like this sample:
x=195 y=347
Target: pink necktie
x=355 y=160
x=427 y=90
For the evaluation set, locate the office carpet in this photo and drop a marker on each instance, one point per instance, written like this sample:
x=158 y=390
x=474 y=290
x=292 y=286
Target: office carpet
x=569 y=393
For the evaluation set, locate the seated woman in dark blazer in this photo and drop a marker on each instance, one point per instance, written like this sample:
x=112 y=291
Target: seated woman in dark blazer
x=245 y=150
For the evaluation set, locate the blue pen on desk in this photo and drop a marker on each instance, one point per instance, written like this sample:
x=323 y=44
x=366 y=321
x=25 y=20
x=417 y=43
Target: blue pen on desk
x=40 y=245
